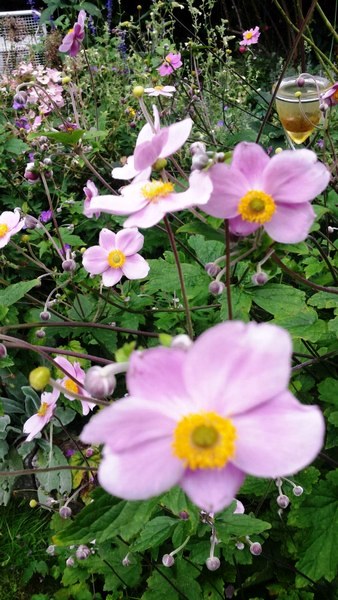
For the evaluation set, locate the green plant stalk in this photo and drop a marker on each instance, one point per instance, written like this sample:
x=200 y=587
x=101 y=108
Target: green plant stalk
x=327 y=22
x=227 y=268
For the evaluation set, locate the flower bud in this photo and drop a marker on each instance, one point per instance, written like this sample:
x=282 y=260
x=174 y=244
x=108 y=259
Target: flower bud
x=259 y=278
x=298 y=94
x=199 y=161
x=89 y=452
x=126 y=561
x=283 y=501
x=31 y=173
x=51 y=550
x=138 y=91
x=300 y=81
x=240 y=546
x=278 y=150
x=297 y=490
x=99 y=383
x=168 y=560
x=197 y=148
x=213 y=563
x=330 y=229
x=181 y=341
x=70 y=562
x=229 y=591
x=65 y=80
x=69 y=265
x=242 y=49
x=33 y=503
x=45 y=315
x=20 y=100
x=216 y=288
x=3 y=351
x=30 y=222
x=82 y=552
x=65 y=512
x=39 y=378
x=160 y=164
x=256 y=548
x=184 y=515
x=40 y=333
x=212 y=269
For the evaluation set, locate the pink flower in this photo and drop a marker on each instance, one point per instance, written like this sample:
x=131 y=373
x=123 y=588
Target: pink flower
x=149 y=201
x=75 y=370
x=275 y=193
x=37 y=422
x=151 y=144
x=161 y=90
x=10 y=223
x=90 y=191
x=116 y=256
x=171 y=63
x=205 y=417
x=71 y=43
x=330 y=97
x=250 y=37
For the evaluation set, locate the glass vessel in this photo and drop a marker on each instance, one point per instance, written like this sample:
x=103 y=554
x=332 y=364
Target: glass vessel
x=298 y=105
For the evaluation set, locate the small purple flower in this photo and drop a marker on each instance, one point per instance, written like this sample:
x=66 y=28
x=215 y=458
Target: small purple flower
x=90 y=191
x=22 y=123
x=45 y=216
x=171 y=63
x=331 y=95
x=71 y=43
x=20 y=100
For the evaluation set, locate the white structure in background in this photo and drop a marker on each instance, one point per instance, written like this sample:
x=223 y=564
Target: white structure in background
x=20 y=32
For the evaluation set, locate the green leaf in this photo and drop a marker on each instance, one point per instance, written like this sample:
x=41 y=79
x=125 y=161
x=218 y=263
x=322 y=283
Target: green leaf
x=131 y=519
x=328 y=390
x=68 y=138
x=241 y=304
x=155 y=533
x=163 y=276
x=228 y=525
x=91 y=9
x=279 y=299
x=11 y=294
x=206 y=250
x=204 y=229
x=53 y=480
x=16 y=146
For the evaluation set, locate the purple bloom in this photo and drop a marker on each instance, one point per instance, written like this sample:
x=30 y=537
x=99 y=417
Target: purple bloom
x=22 y=123
x=205 y=417
x=71 y=43
x=45 y=216
x=171 y=63
x=330 y=97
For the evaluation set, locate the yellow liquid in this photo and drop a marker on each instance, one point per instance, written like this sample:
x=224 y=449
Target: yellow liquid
x=298 y=120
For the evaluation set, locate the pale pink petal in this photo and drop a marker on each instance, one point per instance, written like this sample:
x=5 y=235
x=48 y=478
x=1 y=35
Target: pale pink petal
x=145 y=135
x=94 y=260
x=295 y=177
x=178 y=134
x=147 y=153
x=212 y=489
x=86 y=407
x=129 y=202
x=11 y=219
x=135 y=267
x=235 y=366
x=142 y=472
x=279 y=437
x=128 y=170
x=250 y=159
x=148 y=216
x=291 y=223
x=79 y=375
x=111 y=277
x=129 y=241
x=65 y=365
x=107 y=240
x=32 y=426
x=143 y=175
x=156 y=118
x=197 y=194
x=229 y=186
x=238 y=226
x=5 y=239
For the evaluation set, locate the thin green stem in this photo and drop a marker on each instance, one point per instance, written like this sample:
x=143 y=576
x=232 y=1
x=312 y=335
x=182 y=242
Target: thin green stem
x=227 y=268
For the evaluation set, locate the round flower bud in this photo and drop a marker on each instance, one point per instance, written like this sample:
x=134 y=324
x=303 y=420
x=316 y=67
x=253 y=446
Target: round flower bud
x=283 y=501
x=30 y=173
x=181 y=341
x=65 y=512
x=70 y=562
x=33 y=503
x=30 y=222
x=300 y=81
x=45 y=315
x=126 y=562
x=197 y=148
x=216 y=288
x=65 y=80
x=242 y=49
x=330 y=229
x=259 y=278
x=278 y=150
x=3 y=351
x=82 y=552
x=40 y=333
x=89 y=452
x=297 y=490
x=168 y=560
x=69 y=265
x=298 y=94
x=138 y=91
x=98 y=383
x=160 y=164
x=51 y=550
x=229 y=591
x=256 y=548
x=240 y=546
x=212 y=269
x=184 y=515
x=25 y=238
x=213 y=563
x=39 y=378
x=199 y=161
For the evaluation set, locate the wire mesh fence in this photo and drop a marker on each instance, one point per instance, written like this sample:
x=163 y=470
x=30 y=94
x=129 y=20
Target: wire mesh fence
x=21 y=36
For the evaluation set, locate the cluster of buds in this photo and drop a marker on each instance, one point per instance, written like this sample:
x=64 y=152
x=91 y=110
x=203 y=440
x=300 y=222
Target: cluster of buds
x=201 y=158
x=69 y=264
x=283 y=500
x=33 y=170
x=100 y=381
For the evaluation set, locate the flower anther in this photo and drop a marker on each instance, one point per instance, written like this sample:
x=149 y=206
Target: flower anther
x=257 y=207
x=43 y=409
x=71 y=386
x=153 y=190
x=248 y=35
x=204 y=441
x=116 y=259
x=3 y=229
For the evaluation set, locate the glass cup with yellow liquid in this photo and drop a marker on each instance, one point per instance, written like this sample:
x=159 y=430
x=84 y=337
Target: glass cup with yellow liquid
x=298 y=105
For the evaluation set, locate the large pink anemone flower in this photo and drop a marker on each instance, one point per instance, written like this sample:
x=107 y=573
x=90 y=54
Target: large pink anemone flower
x=37 y=422
x=78 y=373
x=116 y=256
x=153 y=143
x=147 y=202
x=10 y=223
x=205 y=417
x=275 y=193
x=71 y=43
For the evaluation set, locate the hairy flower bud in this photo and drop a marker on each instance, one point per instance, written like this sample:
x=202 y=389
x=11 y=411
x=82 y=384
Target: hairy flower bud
x=30 y=222
x=300 y=81
x=69 y=265
x=3 y=351
x=168 y=560
x=138 y=91
x=297 y=490
x=51 y=550
x=283 y=501
x=70 y=562
x=199 y=161
x=65 y=512
x=181 y=341
x=40 y=333
x=260 y=278
x=213 y=563
x=197 y=148
x=39 y=378
x=184 y=515
x=212 y=269
x=45 y=315
x=256 y=548
x=99 y=383
x=216 y=288
x=82 y=552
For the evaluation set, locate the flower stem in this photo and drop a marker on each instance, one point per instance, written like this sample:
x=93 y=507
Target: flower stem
x=227 y=268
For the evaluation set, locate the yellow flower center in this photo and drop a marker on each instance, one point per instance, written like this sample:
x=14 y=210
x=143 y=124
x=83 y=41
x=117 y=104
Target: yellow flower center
x=43 y=409
x=153 y=190
x=71 y=30
x=248 y=35
x=335 y=95
x=116 y=259
x=256 y=207
x=71 y=386
x=3 y=229
x=168 y=59
x=204 y=441
x=158 y=87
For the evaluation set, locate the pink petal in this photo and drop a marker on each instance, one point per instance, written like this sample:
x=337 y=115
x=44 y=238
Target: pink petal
x=128 y=170
x=178 y=134
x=147 y=153
x=86 y=407
x=212 y=489
x=94 y=260
x=65 y=365
x=156 y=375
x=279 y=437
x=197 y=194
x=129 y=241
x=229 y=186
x=238 y=226
x=135 y=267
x=111 y=277
x=235 y=366
x=291 y=223
x=148 y=216
x=32 y=426
x=11 y=219
x=295 y=176
x=107 y=240
x=5 y=239
x=80 y=376
x=129 y=202
x=140 y=474
x=250 y=159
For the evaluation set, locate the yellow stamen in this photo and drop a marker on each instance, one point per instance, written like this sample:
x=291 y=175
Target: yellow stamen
x=71 y=386
x=71 y=30
x=335 y=95
x=168 y=59
x=256 y=207
x=3 y=229
x=248 y=35
x=43 y=409
x=204 y=441
x=116 y=259
x=153 y=190
x=158 y=87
